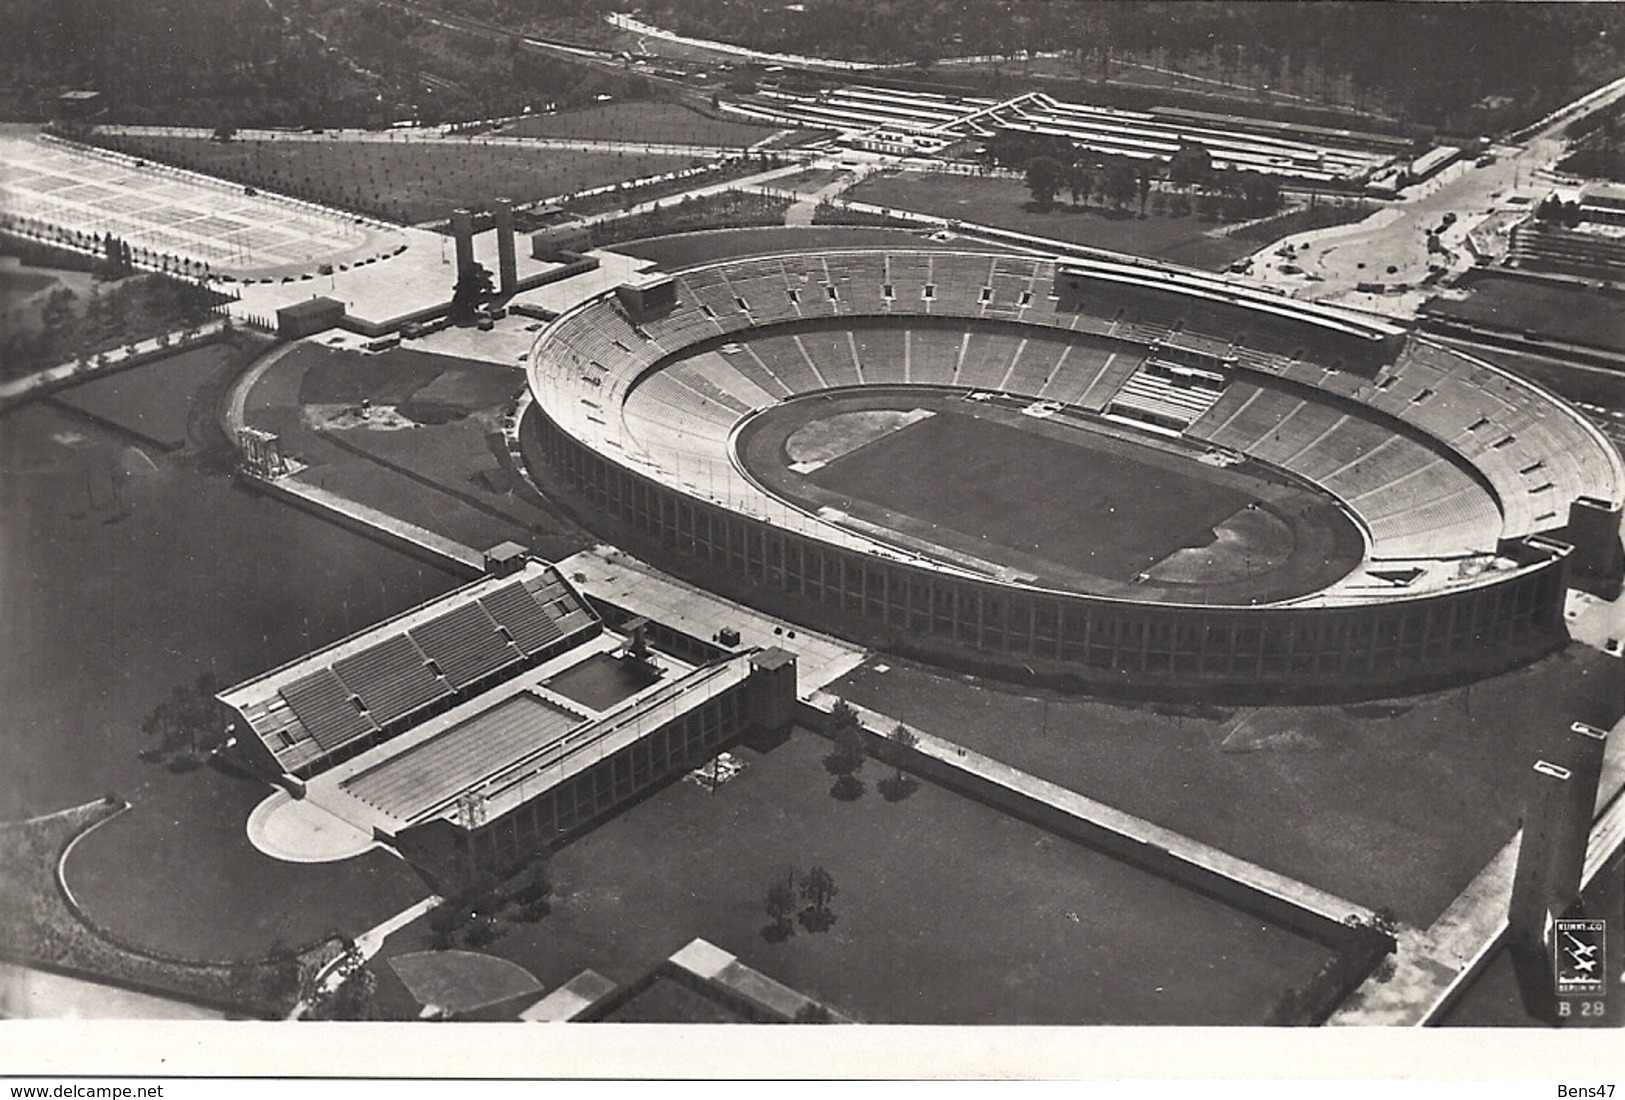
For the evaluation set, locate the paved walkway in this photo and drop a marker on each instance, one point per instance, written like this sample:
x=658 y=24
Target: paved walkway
x=368 y=944
x=1203 y=862
x=1431 y=967
x=299 y=831
x=73 y=372
x=454 y=553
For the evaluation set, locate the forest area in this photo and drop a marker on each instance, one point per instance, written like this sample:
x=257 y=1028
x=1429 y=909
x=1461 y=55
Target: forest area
x=1445 y=65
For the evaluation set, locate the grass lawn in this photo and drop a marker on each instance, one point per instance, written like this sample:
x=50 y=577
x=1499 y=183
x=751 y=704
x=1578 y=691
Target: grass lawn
x=177 y=875
x=1592 y=385
x=648 y=121
x=196 y=574
x=143 y=400
x=1031 y=493
x=410 y=181
x=37 y=926
x=947 y=911
x=444 y=474
x=1003 y=203
x=1385 y=805
x=18 y=286
x=1562 y=311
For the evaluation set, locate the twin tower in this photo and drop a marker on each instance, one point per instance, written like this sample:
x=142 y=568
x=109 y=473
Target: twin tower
x=462 y=230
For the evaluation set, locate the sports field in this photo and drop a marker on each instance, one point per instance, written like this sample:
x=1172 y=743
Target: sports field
x=1083 y=506
x=1004 y=203
x=143 y=400
x=1397 y=803
x=1080 y=501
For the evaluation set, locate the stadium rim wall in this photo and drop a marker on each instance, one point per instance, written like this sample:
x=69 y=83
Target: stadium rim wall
x=1341 y=652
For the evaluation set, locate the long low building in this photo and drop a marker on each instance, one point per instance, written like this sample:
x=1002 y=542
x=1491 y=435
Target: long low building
x=911 y=122
x=1477 y=496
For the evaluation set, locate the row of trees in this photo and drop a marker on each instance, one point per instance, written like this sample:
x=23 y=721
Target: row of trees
x=1052 y=164
x=850 y=750
x=449 y=73
x=71 y=325
x=1597 y=148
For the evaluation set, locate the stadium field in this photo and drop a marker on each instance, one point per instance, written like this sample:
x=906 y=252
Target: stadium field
x=1075 y=506
x=1077 y=499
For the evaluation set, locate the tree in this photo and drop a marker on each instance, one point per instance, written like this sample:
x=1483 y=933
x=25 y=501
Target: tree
x=1044 y=179
x=1080 y=182
x=904 y=739
x=845 y=760
x=1118 y=184
x=352 y=1000
x=224 y=132
x=898 y=746
x=780 y=905
x=1192 y=164
x=817 y=890
x=187 y=724
x=473 y=287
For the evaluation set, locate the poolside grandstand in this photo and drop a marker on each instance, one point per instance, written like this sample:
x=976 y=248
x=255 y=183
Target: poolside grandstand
x=1475 y=494
x=492 y=720
x=331 y=705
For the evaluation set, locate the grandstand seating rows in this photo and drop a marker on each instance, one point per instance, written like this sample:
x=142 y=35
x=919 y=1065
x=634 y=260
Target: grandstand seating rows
x=402 y=672
x=1135 y=134
x=1088 y=352
x=1415 y=502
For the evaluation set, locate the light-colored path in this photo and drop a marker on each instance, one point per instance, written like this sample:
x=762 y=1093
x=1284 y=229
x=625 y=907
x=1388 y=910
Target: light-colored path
x=1339 y=260
x=71 y=373
x=453 y=552
x=368 y=944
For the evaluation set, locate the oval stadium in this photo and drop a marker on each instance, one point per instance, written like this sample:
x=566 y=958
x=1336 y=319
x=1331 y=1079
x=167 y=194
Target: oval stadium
x=1097 y=472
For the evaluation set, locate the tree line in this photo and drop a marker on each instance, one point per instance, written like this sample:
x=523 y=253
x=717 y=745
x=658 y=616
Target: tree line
x=1431 y=63
x=1052 y=164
